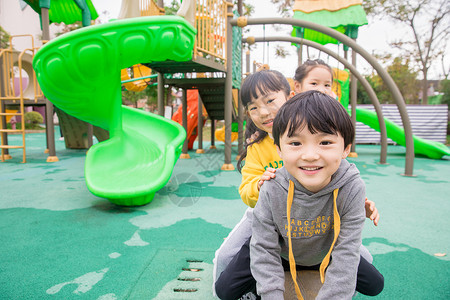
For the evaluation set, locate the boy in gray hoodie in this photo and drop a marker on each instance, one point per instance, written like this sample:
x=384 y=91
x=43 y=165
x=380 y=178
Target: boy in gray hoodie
x=313 y=210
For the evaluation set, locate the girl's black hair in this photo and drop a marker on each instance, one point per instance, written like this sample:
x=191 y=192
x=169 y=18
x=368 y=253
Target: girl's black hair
x=318 y=111
x=259 y=83
x=302 y=71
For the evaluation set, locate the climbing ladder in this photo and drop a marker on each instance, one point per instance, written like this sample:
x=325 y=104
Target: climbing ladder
x=11 y=63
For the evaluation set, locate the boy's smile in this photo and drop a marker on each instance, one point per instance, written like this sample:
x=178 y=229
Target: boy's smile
x=263 y=109
x=312 y=158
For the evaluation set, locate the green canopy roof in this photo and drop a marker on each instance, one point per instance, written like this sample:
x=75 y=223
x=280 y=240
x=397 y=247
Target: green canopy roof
x=66 y=11
x=346 y=20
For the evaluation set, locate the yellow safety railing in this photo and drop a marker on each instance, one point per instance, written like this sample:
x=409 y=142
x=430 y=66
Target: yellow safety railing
x=210 y=22
x=211 y=25
x=12 y=62
x=150 y=8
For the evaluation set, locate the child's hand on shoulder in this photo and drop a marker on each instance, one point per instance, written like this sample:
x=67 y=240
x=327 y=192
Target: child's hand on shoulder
x=372 y=212
x=253 y=137
x=267 y=175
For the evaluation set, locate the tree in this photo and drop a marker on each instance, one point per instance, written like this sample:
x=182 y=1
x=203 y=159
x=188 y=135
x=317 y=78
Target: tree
x=132 y=97
x=173 y=7
x=427 y=21
x=64 y=28
x=4 y=38
x=445 y=89
x=285 y=7
x=404 y=77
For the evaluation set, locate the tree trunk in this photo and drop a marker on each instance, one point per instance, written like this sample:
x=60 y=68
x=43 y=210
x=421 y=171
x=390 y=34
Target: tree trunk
x=168 y=95
x=424 y=87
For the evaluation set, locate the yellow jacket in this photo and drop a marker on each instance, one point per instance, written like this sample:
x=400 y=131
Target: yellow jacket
x=260 y=156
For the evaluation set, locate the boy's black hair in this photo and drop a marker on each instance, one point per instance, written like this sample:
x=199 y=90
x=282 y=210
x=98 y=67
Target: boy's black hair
x=318 y=111
x=303 y=70
x=259 y=83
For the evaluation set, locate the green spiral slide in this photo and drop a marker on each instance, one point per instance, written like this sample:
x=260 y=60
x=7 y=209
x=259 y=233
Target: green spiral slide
x=396 y=133
x=79 y=72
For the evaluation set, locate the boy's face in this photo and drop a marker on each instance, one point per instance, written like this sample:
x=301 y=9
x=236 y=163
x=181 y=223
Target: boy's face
x=263 y=109
x=319 y=79
x=312 y=158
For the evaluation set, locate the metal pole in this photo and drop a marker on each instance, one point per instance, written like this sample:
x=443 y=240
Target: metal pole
x=353 y=96
x=49 y=126
x=184 y=153
x=200 y=125
x=4 y=136
x=90 y=134
x=397 y=96
x=228 y=92
x=213 y=130
x=247 y=62
x=348 y=65
x=161 y=94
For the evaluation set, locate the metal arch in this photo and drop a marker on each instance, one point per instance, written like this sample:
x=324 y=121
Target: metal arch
x=398 y=98
x=348 y=65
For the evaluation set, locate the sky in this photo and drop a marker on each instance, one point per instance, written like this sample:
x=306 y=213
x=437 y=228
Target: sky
x=374 y=38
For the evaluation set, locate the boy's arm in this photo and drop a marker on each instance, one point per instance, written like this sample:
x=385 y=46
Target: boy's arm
x=265 y=259
x=340 y=276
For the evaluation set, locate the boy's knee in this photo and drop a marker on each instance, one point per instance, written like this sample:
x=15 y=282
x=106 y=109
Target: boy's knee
x=376 y=285
x=222 y=288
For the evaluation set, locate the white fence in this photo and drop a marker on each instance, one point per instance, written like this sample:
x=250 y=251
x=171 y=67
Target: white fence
x=427 y=121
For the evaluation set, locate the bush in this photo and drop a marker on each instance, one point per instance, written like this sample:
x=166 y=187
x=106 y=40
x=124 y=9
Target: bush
x=445 y=89
x=33 y=117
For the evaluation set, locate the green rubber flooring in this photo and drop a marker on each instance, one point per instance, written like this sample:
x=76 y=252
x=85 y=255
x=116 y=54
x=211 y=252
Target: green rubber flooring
x=58 y=241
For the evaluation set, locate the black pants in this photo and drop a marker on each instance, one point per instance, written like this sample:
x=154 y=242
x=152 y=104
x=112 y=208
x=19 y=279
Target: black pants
x=237 y=280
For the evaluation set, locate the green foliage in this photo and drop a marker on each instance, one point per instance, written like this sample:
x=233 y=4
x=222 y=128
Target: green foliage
x=130 y=97
x=28 y=126
x=361 y=95
x=404 y=77
x=285 y=7
x=4 y=38
x=68 y=28
x=33 y=117
x=65 y=28
x=445 y=88
x=173 y=7
x=152 y=94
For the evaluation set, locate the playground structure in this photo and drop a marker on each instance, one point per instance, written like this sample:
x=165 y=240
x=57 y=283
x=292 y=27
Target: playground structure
x=30 y=94
x=192 y=116
x=135 y=147
x=211 y=72
x=78 y=134
x=139 y=71
x=138 y=144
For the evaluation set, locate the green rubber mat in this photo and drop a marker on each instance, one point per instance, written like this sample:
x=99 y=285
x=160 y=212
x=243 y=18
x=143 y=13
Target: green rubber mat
x=59 y=241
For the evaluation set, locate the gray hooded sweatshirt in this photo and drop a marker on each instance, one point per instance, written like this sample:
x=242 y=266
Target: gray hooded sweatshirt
x=312 y=232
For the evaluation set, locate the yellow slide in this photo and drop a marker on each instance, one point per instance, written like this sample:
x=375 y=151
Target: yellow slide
x=138 y=72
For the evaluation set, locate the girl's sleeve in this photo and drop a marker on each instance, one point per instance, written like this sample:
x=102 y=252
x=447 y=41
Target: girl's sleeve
x=340 y=276
x=251 y=174
x=265 y=259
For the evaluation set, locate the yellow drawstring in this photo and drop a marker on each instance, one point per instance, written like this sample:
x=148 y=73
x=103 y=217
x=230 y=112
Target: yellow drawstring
x=326 y=260
x=337 y=229
x=291 y=255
